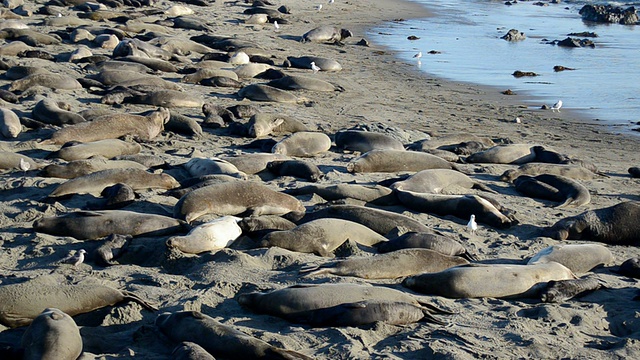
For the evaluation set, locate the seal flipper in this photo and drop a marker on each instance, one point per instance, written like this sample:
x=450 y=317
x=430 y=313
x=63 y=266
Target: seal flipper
x=127 y=295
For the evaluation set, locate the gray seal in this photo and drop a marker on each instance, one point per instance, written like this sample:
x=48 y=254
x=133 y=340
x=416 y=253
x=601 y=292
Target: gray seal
x=570 y=171
x=326 y=34
x=554 y=187
x=303 y=144
x=57 y=113
x=504 y=154
x=262 y=92
x=617 y=224
x=364 y=141
x=296 y=168
x=396 y=161
x=374 y=194
x=439 y=181
x=417 y=240
x=187 y=350
x=78 y=168
x=563 y=290
x=95 y=182
x=304 y=62
x=579 y=258
x=297 y=82
x=263 y=124
x=51 y=81
x=108 y=148
x=630 y=268
x=52 y=335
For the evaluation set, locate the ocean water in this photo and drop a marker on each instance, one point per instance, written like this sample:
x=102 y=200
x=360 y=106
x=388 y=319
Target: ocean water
x=605 y=84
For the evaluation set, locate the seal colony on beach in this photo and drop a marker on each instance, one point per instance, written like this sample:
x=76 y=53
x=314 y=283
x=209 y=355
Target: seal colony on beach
x=256 y=195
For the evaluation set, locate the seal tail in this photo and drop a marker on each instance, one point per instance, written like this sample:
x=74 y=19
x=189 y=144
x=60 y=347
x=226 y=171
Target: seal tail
x=133 y=297
x=468 y=256
x=314 y=270
x=483 y=187
x=428 y=317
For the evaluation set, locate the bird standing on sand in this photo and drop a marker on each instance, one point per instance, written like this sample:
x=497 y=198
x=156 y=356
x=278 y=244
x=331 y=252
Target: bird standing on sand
x=75 y=259
x=319 y=7
x=472 y=225
x=418 y=55
x=330 y=1
x=315 y=67
x=24 y=165
x=556 y=106
x=276 y=27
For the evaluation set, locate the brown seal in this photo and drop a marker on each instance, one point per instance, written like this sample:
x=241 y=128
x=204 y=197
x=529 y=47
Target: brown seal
x=326 y=33
x=95 y=182
x=296 y=168
x=52 y=335
x=52 y=81
x=396 y=161
x=563 y=290
x=262 y=92
x=253 y=163
x=417 y=240
x=296 y=82
x=57 y=113
x=263 y=124
x=78 y=168
x=108 y=148
x=554 y=187
x=363 y=141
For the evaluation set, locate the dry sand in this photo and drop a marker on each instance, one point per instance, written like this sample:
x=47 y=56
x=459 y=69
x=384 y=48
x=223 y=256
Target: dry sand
x=378 y=90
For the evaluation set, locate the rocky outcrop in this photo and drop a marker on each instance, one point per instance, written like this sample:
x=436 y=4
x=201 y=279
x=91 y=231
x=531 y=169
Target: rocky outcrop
x=609 y=14
x=514 y=35
x=574 y=42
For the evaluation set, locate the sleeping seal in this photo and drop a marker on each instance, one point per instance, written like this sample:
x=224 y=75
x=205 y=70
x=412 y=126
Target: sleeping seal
x=579 y=258
x=554 y=187
x=396 y=161
x=326 y=33
x=52 y=335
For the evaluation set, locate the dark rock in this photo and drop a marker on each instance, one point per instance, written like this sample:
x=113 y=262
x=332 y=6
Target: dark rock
x=520 y=74
x=514 y=35
x=574 y=42
x=609 y=14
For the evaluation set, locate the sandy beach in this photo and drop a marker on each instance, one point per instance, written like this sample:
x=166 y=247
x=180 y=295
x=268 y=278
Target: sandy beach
x=380 y=92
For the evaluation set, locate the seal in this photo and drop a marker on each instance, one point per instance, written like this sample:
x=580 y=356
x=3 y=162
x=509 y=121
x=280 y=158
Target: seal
x=251 y=70
x=262 y=92
x=95 y=182
x=326 y=34
x=554 y=187
x=450 y=139
x=263 y=124
x=380 y=221
x=563 y=290
x=258 y=226
x=303 y=144
x=391 y=265
x=211 y=236
x=617 y=224
x=10 y=125
x=50 y=80
x=579 y=258
x=212 y=166
x=78 y=168
x=374 y=194
x=297 y=82
x=322 y=236
x=112 y=127
x=183 y=125
x=630 y=268
x=364 y=141
x=396 y=161
x=52 y=335
x=56 y=113
x=493 y=281
x=253 y=163
x=304 y=62
x=218 y=339
x=574 y=172
x=113 y=247
x=417 y=240
x=114 y=197
x=235 y=198
x=91 y=225
x=296 y=168
x=108 y=148
x=187 y=350
x=544 y=155
x=164 y=97
x=439 y=181
x=11 y=161
x=23 y=302
x=634 y=171
x=504 y=154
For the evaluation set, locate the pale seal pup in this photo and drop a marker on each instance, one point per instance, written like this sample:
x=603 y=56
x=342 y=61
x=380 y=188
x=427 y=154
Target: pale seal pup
x=23 y=302
x=52 y=81
x=113 y=127
x=504 y=154
x=296 y=168
x=303 y=144
x=211 y=236
x=391 y=265
x=617 y=224
x=190 y=351
x=417 y=240
x=95 y=182
x=251 y=70
x=261 y=92
x=91 y=225
x=76 y=168
x=563 y=290
x=263 y=124
x=52 y=335
x=107 y=148
x=297 y=82
x=493 y=281
x=322 y=236
x=396 y=161
x=212 y=166
x=235 y=198
x=219 y=339
x=10 y=125
x=326 y=33
x=54 y=112
x=461 y=206
x=364 y=141
x=439 y=181
x=554 y=187
x=579 y=258
x=570 y=171
x=374 y=194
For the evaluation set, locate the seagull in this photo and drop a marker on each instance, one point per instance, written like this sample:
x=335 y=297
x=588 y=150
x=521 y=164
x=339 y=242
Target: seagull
x=472 y=225
x=24 y=165
x=517 y=120
x=315 y=67
x=556 y=106
x=75 y=259
x=319 y=7
x=418 y=55
x=276 y=27
x=330 y=1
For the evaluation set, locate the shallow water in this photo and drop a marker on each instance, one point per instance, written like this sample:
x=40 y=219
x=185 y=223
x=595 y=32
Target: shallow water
x=605 y=84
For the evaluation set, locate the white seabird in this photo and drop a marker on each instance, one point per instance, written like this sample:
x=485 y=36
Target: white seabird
x=315 y=67
x=556 y=106
x=472 y=225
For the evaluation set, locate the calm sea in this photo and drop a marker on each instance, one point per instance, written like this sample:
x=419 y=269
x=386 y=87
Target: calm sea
x=605 y=84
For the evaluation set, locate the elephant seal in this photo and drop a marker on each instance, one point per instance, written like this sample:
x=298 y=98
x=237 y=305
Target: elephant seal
x=114 y=197
x=10 y=125
x=23 y=302
x=52 y=335
x=563 y=290
x=574 y=172
x=50 y=80
x=95 y=182
x=296 y=168
x=549 y=156
x=494 y=281
x=253 y=163
x=165 y=98
x=449 y=140
x=391 y=265
x=396 y=161
x=203 y=166
x=235 y=198
x=634 y=171
x=211 y=236
x=304 y=62
x=251 y=70
x=579 y=258
x=56 y=113
x=113 y=127
x=219 y=339
x=78 y=168
x=417 y=240
x=504 y=154
x=439 y=181
x=554 y=187
x=259 y=226
x=91 y=225
x=296 y=82
x=461 y=206
x=261 y=92
x=322 y=236
x=303 y=144
x=187 y=350
x=263 y=124
x=326 y=34
x=113 y=247
x=11 y=161
x=616 y=224
x=183 y=125
x=364 y=141
x=630 y=268
x=380 y=221
x=374 y=194
x=108 y=148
